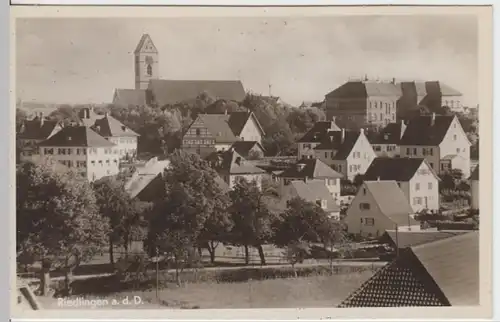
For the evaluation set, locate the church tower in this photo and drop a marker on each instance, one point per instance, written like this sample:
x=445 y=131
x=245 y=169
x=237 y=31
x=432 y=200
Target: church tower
x=145 y=62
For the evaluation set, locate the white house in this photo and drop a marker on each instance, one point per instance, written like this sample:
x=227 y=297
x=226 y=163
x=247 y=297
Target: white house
x=377 y=207
x=82 y=149
x=439 y=139
x=415 y=177
x=474 y=179
x=348 y=152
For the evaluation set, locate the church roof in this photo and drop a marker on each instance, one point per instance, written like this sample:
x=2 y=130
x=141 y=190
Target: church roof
x=167 y=92
x=126 y=97
x=141 y=43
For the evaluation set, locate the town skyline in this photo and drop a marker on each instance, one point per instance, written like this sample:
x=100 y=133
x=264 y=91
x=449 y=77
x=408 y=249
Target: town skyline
x=256 y=51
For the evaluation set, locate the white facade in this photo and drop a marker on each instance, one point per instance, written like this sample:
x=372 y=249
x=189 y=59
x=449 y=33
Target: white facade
x=422 y=190
x=232 y=179
x=306 y=150
x=251 y=131
x=91 y=162
x=124 y=145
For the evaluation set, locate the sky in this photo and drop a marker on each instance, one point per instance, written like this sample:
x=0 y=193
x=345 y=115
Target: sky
x=82 y=60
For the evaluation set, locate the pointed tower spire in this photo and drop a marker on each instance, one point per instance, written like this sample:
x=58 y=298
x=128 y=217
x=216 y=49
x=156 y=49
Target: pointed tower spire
x=146 y=62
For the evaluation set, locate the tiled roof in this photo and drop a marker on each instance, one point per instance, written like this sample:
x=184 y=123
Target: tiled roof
x=177 y=91
x=36 y=130
x=218 y=126
x=311 y=169
x=233 y=163
x=391 y=134
x=244 y=147
x=238 y=120
x=422 y=130
x=404 y=239
x=314 y=190
x=318 y=131
x=439 y=273
x=342 y=148
x=144 y=175
x=391 y=201
x=77 y=136
x=361 y=89
x=397 y=169
x=143 y=39
x=126 y=97
x=475 y=174
x=108 y=126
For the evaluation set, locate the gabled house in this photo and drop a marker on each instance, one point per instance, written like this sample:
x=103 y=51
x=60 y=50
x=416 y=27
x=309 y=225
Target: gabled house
x=386 y=142
x=249 y=149
x=348 y=152
x=474 y=184
x=314 y=191
x=441 y=273
x=377 y=207
x=439 y=139
x=415 y=177
x=313 y=137
x=217 y=132
x=310 y=169
x=31 y=132
x=80 y=148
x=111 y=129
x=230 y=166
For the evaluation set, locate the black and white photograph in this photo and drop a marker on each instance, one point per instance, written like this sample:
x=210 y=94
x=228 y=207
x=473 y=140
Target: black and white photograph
x=250 y=162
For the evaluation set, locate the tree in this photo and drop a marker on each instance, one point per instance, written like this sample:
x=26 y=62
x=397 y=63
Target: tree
x=193 y=199
x=358 y=180
x=295 y=252
x=252 y=219
x=122 y=213
x=57 y=218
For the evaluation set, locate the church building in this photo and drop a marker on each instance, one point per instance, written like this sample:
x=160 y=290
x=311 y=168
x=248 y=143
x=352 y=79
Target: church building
x=153 y=91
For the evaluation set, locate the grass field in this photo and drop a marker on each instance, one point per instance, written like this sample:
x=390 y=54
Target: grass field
x=312 y=291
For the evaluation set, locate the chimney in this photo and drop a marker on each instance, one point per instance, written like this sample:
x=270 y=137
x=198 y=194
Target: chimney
x=300 y=166
x=403 y=129
x=42 y=119
x=433 y=119
x=394 y=80
x=225 y=111
x=361 y=130
x=342 y=136
x=332 y=123
x=378 y=178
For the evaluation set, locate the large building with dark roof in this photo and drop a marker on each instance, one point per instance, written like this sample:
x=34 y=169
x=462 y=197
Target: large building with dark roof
x=417 y=180
x=151 y=90
x=440 y=273
x=359 y=103
x=31 y=132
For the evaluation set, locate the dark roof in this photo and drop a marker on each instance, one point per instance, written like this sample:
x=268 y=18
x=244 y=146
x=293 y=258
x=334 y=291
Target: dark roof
x=244 y=147
x=81 y=136
x=391 y=134
x=35 y=129
x=361 y=89
x=108 y=126
x=238 y=120
x=126 y=97
x=440 y=273
x=333 y=141
x=233 y=163
x=475 y=174
x=404 y=239
x=422 y=130
x=318 y=131
x=391 y=201
x=397 y=169
x=178 y=91
x=311 y=169
x=143 y=39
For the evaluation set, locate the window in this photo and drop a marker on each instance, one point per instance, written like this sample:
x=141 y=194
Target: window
x=364 y=191
x=369 y=221
x=454 y=137
x=375 y=104
x=431 y=151
x=377 y=148
x=364 y=206
x=417 y=186
x=198 y=132
x=414 y=151
x=424 y=151
x=326 y=155
x=332 y=155
x=458 y=150
x=431 y=164
x=361 y=220
x=408 y=151
x=417 y=201
x=149 y=70
x=381 y=116
x=429 y=185
x=69 y=151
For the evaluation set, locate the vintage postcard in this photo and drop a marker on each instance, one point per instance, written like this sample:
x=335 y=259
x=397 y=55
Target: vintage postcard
x=280 y=162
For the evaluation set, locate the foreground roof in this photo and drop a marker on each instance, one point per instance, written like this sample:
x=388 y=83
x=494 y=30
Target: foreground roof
x=76 y=136
x=178 y=91
x=404 y=239
x=440 y=273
